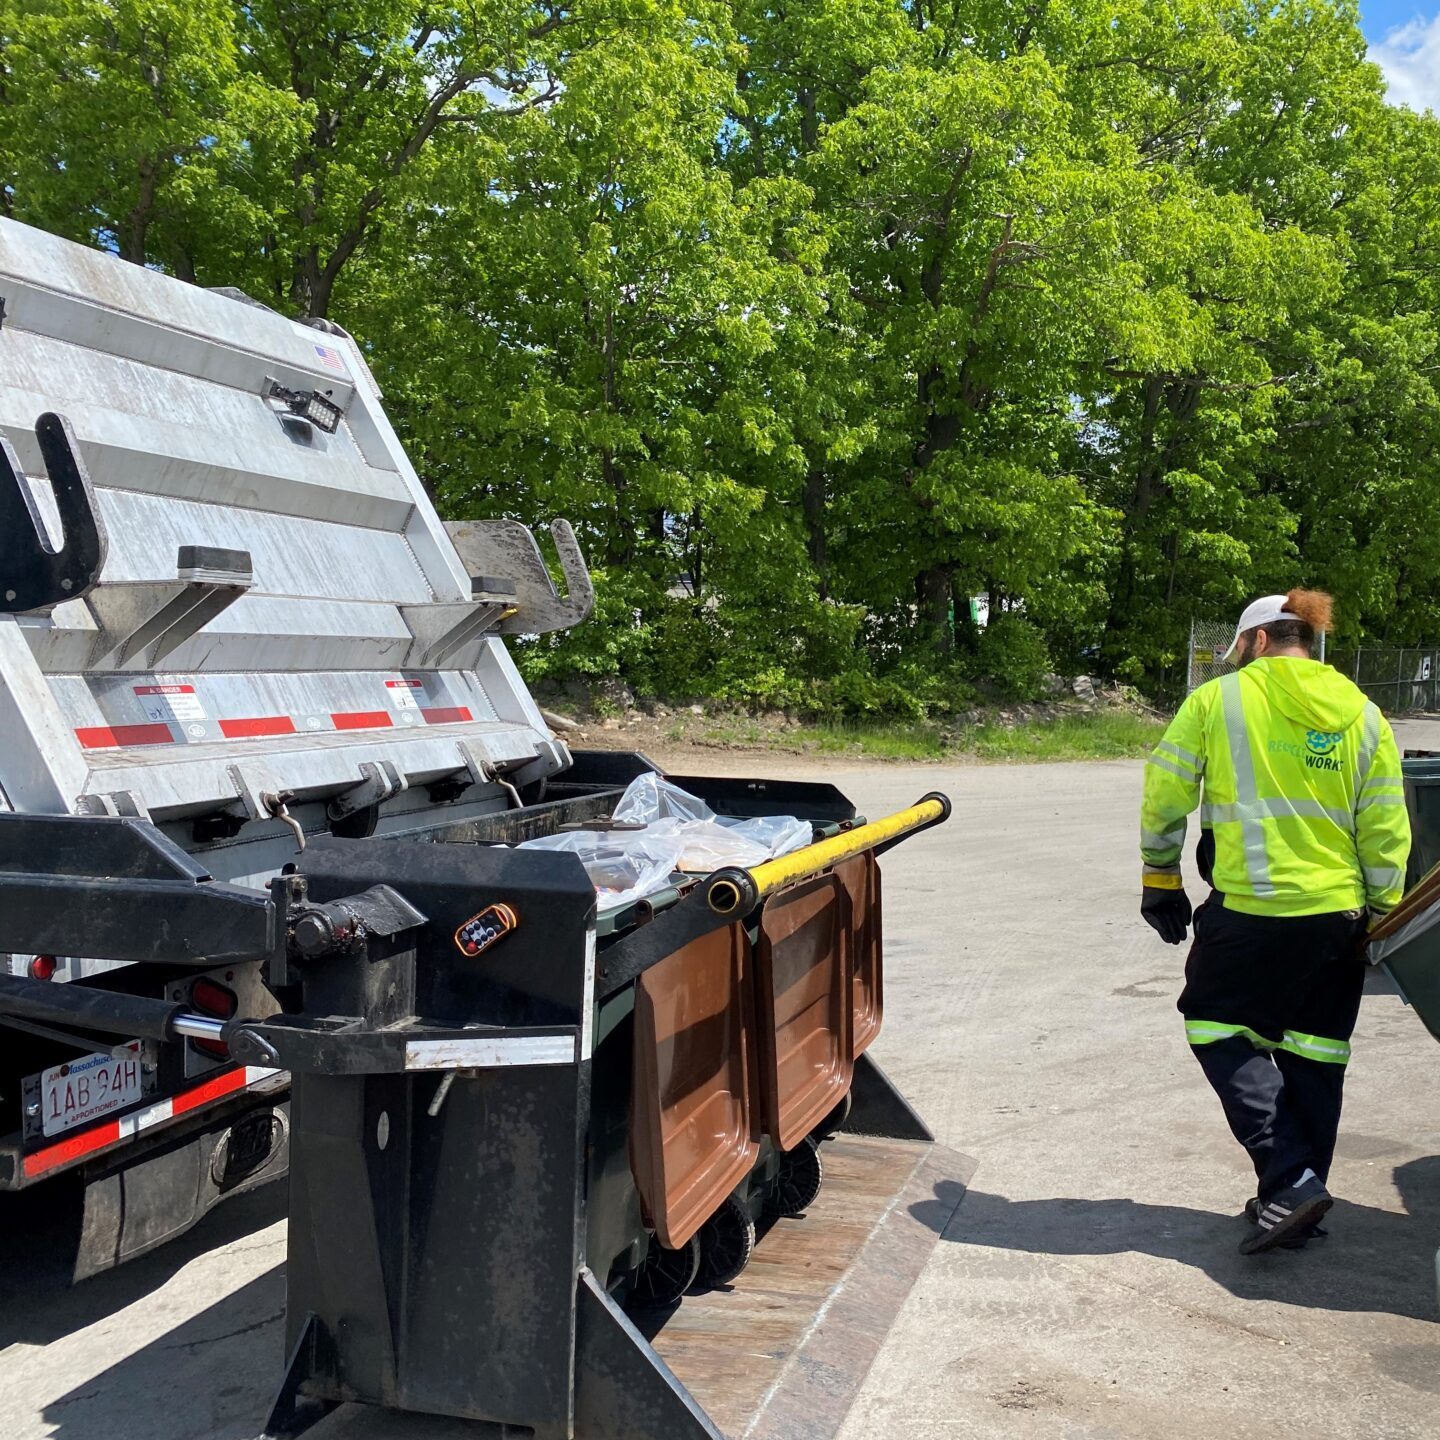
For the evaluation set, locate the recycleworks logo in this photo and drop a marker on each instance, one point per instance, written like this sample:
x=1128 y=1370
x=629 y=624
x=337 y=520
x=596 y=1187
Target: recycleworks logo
x=1322 y=745
x=1319 y=751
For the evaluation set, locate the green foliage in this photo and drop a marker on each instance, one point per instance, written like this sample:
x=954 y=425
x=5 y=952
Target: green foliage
x=1014 y=658
x=818 y=321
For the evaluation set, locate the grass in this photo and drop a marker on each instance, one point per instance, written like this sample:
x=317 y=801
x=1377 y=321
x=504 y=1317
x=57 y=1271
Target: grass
x=1085 y=735
x=1092 y=735
x=880 y=740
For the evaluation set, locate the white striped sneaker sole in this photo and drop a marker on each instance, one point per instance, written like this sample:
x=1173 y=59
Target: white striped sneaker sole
x=1278 y=1222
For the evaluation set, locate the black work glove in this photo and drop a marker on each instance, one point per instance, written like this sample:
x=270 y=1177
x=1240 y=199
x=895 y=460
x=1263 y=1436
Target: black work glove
x=1165 y=906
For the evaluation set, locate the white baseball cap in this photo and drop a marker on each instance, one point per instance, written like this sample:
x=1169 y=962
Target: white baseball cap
x=1264 y=611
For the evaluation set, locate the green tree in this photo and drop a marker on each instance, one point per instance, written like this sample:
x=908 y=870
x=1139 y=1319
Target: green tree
x=125 y=123
x=819 y=319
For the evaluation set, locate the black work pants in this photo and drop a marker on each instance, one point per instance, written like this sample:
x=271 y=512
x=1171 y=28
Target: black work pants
x=1270 y=1004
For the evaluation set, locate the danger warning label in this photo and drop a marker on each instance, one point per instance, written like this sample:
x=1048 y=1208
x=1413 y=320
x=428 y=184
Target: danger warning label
x=170 y=702
x=403 y=694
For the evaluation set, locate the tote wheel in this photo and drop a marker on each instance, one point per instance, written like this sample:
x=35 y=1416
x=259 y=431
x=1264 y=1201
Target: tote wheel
x=798 y=1184
x=727 y=1241
x=665 y=1275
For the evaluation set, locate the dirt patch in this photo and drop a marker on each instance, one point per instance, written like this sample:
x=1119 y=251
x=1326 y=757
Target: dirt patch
x=1098 y=726
x=718 y=744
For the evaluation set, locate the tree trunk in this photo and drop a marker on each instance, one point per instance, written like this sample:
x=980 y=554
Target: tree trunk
x=135 y=233
x=621 y=540
x=933 y=588
x=814 y=501
x=1122 y=594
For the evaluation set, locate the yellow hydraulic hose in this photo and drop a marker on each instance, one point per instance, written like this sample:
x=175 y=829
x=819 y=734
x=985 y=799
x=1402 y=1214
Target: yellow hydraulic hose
x=727 y=891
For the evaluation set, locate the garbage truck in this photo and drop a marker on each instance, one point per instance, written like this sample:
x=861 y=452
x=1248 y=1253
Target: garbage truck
x=296 y=879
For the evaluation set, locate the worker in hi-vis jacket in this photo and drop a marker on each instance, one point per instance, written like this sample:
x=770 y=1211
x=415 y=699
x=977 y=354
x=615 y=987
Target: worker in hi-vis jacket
x=1304 y=830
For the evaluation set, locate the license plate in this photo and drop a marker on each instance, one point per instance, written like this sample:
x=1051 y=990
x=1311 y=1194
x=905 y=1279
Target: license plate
x=87 y=1089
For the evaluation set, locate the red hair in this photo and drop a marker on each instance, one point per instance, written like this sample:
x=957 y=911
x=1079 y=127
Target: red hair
x=1314 y=607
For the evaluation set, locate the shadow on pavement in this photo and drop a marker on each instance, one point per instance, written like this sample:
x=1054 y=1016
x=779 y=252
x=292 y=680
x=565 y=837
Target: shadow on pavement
x=211 y=1378
x=214 y=1377
x=1375 y=1260
x=38 y=1232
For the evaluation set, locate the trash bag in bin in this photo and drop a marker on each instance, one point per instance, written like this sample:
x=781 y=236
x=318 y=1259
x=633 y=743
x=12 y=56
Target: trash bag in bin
x=623 y=865
x=676 y=831
x=650 y=799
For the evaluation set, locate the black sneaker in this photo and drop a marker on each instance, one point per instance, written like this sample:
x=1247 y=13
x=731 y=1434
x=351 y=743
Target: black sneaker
x=1295 y=1242
x=1287 y=1216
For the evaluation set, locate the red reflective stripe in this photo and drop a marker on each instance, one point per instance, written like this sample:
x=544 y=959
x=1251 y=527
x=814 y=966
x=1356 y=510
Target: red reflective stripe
x=221 y=1085
x=444 y=714
x=108 y=737
x=73 y=1148
x=259 y=725
x=362 y=719
x=111 y=1132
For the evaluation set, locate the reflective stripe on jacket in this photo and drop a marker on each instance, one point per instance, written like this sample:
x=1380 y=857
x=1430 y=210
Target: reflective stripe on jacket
x=1302 y=788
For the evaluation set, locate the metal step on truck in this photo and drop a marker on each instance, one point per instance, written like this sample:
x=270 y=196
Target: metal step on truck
x=287 y=882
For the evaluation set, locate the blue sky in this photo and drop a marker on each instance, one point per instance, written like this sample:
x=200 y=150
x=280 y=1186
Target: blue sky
x=1378 y=16
x=1404 y=38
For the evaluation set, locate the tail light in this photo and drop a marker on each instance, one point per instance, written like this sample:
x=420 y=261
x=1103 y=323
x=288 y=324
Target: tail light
x=209 y=997
x=43 y=967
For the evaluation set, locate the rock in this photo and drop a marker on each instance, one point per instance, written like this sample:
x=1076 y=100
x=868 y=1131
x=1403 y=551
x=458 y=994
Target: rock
x=1084 y=687
x=1054 y=684
x=697 y=709
x=562 y=723
x=611 y=694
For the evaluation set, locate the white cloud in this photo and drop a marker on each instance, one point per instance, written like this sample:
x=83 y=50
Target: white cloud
x=1410 y=57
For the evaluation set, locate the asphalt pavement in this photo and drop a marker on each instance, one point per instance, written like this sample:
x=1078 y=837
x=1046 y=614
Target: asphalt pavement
x=1089 y=1286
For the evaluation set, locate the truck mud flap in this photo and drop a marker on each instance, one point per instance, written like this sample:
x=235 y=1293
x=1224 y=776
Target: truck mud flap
x=131 y=1207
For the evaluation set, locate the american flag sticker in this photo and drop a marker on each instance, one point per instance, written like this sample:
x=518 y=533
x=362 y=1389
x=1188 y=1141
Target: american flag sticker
x=330 y=359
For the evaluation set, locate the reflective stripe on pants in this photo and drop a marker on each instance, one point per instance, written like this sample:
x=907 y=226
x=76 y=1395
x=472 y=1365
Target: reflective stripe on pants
x=1308 y=1047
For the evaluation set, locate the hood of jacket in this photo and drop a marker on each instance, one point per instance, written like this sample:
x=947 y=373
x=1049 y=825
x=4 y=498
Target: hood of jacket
x=1308 y=692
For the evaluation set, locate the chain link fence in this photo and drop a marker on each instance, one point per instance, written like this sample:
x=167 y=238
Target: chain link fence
x=1400 y=681
x=1209 y=642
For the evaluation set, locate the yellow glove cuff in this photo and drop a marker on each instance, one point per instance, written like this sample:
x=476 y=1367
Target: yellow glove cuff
x=1162 y=880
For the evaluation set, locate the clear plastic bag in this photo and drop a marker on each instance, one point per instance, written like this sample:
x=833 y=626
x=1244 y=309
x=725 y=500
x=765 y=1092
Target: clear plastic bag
x=706 y=845
x=650 y=797
x=681 y=832
x=623 y=865
x=778 y=834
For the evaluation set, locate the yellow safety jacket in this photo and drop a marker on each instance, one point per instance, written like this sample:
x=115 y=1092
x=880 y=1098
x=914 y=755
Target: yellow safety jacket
x=1302 y=790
